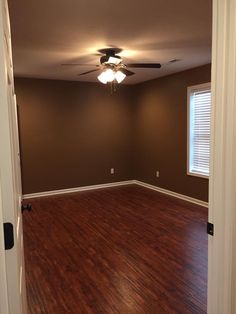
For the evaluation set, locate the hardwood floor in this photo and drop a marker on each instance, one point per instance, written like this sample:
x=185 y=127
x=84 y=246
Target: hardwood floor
x=120 y=250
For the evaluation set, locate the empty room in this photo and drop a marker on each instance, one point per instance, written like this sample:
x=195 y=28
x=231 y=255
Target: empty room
x=111 y=118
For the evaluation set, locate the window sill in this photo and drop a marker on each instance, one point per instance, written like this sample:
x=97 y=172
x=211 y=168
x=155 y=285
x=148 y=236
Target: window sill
x=199 y=175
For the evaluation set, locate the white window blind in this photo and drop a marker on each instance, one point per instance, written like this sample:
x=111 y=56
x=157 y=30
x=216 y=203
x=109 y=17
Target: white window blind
x=199 y=129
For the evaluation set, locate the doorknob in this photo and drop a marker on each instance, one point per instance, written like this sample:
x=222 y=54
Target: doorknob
x=26 y=207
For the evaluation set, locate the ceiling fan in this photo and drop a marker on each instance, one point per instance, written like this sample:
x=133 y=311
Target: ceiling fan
x=112 y=67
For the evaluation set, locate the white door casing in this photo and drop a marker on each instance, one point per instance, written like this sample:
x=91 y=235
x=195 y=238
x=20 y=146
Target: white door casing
x=10 y=170
x=3 y=279
x=222 y=191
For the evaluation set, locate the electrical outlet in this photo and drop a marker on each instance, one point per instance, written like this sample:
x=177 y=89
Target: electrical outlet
x=112 y=170
x=157 y=174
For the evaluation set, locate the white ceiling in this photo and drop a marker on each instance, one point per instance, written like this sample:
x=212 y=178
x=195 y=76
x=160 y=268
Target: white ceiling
x=47 y=33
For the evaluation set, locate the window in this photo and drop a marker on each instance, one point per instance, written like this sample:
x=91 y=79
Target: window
x=199 y=113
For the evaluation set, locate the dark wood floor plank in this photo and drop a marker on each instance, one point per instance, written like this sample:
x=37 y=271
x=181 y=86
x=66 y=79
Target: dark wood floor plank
x=117 y=250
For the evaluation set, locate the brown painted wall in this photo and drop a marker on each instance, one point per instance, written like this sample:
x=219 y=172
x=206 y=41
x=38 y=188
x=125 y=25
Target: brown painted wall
x=73 y=133
x=161 y=132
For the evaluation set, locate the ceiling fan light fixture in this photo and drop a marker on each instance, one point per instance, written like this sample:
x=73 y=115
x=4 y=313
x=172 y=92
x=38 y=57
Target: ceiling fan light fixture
x=106 y=76
x=114 y=60
x=102 y=78
x=119 y=76
x=110 y=75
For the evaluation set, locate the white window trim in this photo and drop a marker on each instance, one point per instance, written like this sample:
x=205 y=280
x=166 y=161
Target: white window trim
x=190 y=89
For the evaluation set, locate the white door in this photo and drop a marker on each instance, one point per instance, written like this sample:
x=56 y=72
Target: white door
x=222 y=209
x=10 y=171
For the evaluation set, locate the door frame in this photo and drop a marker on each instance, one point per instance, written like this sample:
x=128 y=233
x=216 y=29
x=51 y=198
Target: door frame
x=3 y=279
x=222 y=197
x=12 y=260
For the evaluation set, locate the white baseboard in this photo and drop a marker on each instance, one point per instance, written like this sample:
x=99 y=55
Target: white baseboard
x=113 y=184
x=171 y=193
x=79 y=189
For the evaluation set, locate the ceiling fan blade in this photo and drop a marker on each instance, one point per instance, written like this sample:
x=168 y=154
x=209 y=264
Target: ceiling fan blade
x=79 y=64
x=126 y=72
x=144 y=65
x=87 y=72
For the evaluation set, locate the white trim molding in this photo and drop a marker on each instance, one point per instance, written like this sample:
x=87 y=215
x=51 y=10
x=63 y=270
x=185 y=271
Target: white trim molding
x=171 y=193
x=114 y=184
x=78 y=189
x=222 y=196
x=4 y=308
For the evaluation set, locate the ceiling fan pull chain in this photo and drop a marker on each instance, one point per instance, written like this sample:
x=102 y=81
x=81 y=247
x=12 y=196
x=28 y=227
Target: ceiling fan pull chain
x=112 y=87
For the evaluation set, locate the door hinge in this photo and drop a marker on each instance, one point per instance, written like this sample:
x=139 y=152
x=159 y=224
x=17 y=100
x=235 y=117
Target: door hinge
x=8 y=235
x=210 y=228
x=27 y=207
